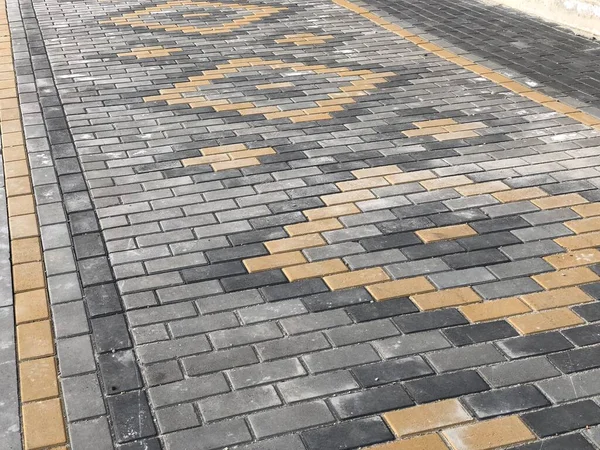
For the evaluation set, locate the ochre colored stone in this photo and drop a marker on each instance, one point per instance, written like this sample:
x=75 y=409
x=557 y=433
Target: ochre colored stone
x=587 y=240
x=566 y=277
x=34 y=340
x=23 y=226
x=26 y=250
x=587 y=210
x=38 y=379
x=28 y=276
x=376 y=171
x=411 y=177
x=276 y=261
x=489 y=434
x=31 y=306
x=425 y=442
x=238 y=163
x=428 y=417
x=559 y=201
x=446 y=298
x=584 y=225
x=494 y=309
x=575 y=258
x=327 y=212
x=445 y=233
x=364 y=183
x=43 y=424
x=295 y=243
x=400 y=288
x=488 y=187
x=445 y=182
x=517 y=195
x=356 y=278
x=551 y=319
x=316 y=226
x=315 y=269
x=556 y=298
x=347 y=197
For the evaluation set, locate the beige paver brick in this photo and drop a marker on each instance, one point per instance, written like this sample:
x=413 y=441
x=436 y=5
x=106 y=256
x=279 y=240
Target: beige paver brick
x=356 y=278
x=315 y=269
x=26 y=250
x=586 y=225
x=455 y=135
x=566 y=277
x=400 y=288
x=446 y=298
x=556 y=298
x=517 y=195
x=559 y=201
x=575 y=258
x=327 y=212
x=14 y=169
x=223 y=149
x=376 y=171
x=295 y=243
x=31 y=306
x=428 y=417
x=23 y=226
x=411 y=177
x=363 y=183
x=435 y=123
x=445 y=182
x=38 y=379
x=488 y=187
x=34 y=340
x=552 y=319
x=489 y=434
x=445 y=233
x=276 y=261
x=18 y=186
x=316 y=226
x=494 y=309
x=21 y=205
x=236 y=164
x=587 y=210
x=347 y=197
x=425 y=442
x=28 y=276
x=43 y=424
x=580 y=241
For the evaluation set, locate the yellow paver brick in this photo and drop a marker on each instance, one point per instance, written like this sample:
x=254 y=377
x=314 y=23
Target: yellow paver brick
x=587 y=210
x=276 y=261
x=18 y=186
x=311 y=227
x=28 y=276
x=445 y=182
x=356 y=278
x=516 y=195
x=446 y=298
x=586 y=225
x=488 y=187
x=435 y=122
x=465 y=126
x=556 y=298
x=31 y=306
x=429 y=131
x=365 y=183
x=43 y=424
x=20 y=205
x=552 y=319
x=580 y=241
x=13 y=169
x=445 y=233
x=38 y=379
x=315 y=269
x=489 y=434
x=425 y=442
x=428 y=417
x=411 y=177
x=559 y=201
x=565 y=277
x=347 y=197
x=494 y=309
x=400 y=288
x=376 y=171
x=34 y=340
x=23 y=226
x=252 y=153
x=238 y=163
x=345 y=209
x=223 y=149
x=295 y=243
x=446 y=136
x=575 y=258
x=26 y=250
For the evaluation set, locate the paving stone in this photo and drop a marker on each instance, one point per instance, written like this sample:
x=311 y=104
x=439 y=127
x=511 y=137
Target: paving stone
x=390 y=371
x=449 y=385
x=519 y=371
x=571 y=387
x=570 y=441
x=91 y=434
x=346 y=435
x=505 y=401
x=576 y=360
x=537 y=344
x=187 y=390
x=370 y=401
x=481 y=332
x=340 y=358
x=304 y=388
x=464 y=358
x=290 y=418
x=265 y=373
x=562 y=419
x=238 y=402
x=132 y=416
x=210 y=436
x=176 y=417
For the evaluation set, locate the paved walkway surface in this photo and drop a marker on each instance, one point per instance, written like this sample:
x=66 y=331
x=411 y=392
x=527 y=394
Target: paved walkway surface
x=316 y=225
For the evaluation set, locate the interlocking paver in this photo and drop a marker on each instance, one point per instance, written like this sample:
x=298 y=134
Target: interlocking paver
x=281 y=225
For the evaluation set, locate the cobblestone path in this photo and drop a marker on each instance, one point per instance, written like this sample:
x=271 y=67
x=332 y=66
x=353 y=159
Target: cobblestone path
x=277 y=225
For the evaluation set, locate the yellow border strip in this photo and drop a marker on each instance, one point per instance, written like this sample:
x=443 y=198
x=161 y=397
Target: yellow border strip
x=508 y=83
x=43 y=424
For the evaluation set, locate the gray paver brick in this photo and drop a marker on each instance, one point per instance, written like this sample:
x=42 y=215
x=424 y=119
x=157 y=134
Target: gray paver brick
x=238 y=402
x=289 y=418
